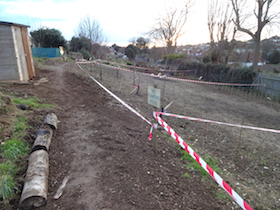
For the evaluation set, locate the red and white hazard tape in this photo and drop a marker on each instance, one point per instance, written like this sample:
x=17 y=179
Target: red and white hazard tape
x=202 y=163
x=180 y=141
x=173 y=78
x=220 y=123
x=117 y=98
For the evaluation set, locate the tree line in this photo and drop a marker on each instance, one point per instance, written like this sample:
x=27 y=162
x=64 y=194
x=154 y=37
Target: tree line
x=225 y=20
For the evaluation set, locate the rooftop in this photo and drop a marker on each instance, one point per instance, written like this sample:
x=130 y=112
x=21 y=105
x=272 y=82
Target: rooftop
x=12 y=24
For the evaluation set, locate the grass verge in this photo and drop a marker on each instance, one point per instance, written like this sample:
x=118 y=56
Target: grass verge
x=13 y=148
x=193 y=165
x=10 y=151
x=33 y=102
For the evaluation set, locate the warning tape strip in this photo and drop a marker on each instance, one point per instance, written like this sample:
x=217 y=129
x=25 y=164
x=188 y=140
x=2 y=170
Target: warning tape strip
x=179 y=79
x=116 y=97
x=220 y=123
x=202 y=163
x=151 y=133
x=180 y=141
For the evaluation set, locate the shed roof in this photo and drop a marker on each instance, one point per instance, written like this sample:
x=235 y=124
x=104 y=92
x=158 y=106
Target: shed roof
x=13 y=24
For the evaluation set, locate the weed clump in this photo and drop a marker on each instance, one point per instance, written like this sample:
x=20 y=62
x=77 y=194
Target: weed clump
x=6 y=104
x=7 y=187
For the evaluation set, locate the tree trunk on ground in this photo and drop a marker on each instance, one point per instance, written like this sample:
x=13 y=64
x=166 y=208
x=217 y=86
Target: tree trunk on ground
x=35 y=190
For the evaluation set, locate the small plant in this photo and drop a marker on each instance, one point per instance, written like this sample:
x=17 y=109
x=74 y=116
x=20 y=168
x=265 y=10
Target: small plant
x=7 y=188
x=193 y=165
x=129 y=63
x=20 y=125
x=223 y=196
x=186 y=175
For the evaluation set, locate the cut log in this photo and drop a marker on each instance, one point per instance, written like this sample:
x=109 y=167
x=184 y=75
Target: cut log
x=34 y=193
x=43 y=139
x=51 y=120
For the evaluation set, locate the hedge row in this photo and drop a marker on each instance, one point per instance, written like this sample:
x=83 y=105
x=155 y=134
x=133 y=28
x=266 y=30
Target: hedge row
x=219 y=72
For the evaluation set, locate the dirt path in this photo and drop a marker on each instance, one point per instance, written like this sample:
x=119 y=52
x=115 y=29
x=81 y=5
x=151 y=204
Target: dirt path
x=104 y=147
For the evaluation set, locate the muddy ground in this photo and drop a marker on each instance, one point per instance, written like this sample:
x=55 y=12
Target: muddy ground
x=112 y=165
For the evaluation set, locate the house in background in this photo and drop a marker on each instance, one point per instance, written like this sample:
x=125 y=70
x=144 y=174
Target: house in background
x=16 y=63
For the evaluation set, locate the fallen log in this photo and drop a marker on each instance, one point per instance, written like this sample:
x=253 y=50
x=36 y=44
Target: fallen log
x=51 y=120
x=43 y=139
x=34 y=193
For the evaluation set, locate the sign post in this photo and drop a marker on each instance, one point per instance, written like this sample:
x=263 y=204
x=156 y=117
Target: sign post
x=154 y=100
x=154 y=96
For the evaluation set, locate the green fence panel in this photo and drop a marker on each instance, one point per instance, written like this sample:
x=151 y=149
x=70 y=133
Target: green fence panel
x=45 y=52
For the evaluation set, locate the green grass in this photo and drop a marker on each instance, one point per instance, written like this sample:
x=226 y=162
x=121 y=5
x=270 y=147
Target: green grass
x=10 y=151
x=33 y=102
x=71 y=60
x=20 y=126
x=7 y=187
x=212 y=162
x=8 y=168
x=223 y=196
x=41 y=60
x=194 y=165
x=186 y=175
x=16 y=147
x=13 y=149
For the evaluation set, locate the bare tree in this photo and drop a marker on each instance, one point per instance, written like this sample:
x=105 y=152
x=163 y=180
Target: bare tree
x=170 y=27
x=90 y=28
x=221 y=29
x=264 y=15
x=142 y=42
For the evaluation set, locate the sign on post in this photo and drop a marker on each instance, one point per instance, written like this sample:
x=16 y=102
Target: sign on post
x=154 y=96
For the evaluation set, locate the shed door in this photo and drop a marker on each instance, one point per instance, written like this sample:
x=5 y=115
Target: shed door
x=20 y=54
x=28 y=53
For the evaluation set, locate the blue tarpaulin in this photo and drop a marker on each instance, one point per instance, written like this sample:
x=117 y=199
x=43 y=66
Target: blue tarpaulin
x=45 y=52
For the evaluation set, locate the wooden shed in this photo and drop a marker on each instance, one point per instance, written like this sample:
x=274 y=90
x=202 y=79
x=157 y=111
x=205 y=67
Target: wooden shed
x=16 y=62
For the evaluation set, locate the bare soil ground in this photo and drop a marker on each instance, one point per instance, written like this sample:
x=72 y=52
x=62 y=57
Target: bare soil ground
x=105 y=150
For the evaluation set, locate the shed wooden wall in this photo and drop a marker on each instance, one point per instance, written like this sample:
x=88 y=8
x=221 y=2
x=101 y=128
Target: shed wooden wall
x=8 y=60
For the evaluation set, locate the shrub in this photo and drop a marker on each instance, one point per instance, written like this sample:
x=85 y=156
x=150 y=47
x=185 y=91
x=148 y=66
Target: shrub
x=220 y=72
x=172 y=57
x=129 y=63
x=275 y=71
x=86 y=54
x=274 y=57
x=130 y=53
x=207 y=59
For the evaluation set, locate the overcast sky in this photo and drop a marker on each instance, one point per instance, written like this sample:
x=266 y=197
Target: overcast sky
x=120 y=19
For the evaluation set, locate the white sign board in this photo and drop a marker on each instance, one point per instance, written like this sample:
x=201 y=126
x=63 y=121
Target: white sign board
x=154 y=96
